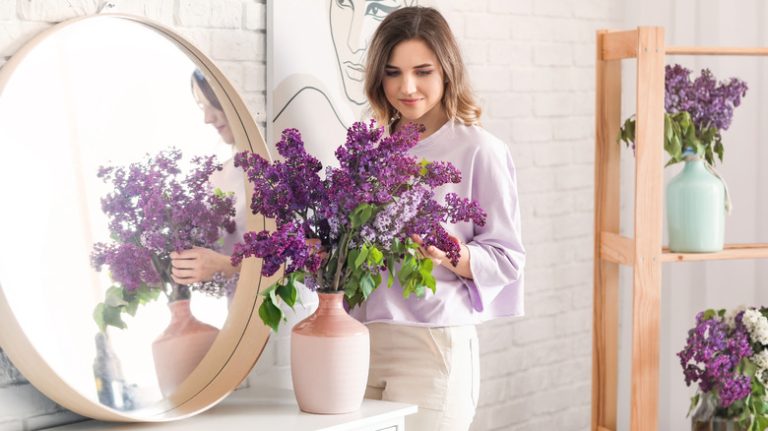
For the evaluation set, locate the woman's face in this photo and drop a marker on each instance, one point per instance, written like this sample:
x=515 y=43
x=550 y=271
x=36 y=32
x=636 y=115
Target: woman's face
x=413 y=82
x=214 y=116
x=353 y=23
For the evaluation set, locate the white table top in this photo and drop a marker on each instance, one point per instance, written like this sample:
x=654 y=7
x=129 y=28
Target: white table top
x=272 y=409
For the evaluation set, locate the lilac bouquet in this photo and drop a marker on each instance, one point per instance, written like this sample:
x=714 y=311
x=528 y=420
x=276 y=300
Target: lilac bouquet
x=696 y=113
x=344 y=231
x=152 y=211
x=727 y=355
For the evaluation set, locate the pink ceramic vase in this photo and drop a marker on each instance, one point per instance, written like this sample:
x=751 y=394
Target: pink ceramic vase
x=182 y=345
x=330 y=354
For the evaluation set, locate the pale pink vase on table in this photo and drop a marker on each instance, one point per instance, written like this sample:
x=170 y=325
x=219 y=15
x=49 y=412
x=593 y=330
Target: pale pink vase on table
x=181 y=347
x=330 y=353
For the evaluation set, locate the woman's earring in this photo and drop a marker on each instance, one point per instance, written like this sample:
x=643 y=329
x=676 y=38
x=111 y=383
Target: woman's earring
x=394 y=118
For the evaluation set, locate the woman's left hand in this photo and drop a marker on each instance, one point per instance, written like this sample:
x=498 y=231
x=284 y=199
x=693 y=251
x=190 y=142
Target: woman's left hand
x=431 y=252
x=438 y=256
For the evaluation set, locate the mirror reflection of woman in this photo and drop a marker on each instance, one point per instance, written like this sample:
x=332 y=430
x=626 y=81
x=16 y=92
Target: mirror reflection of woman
x=198 y=265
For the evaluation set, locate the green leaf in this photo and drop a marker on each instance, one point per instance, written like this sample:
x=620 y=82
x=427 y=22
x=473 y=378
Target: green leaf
x=420 y=289
x=391 y=264
x=112 y=317
x=749 y=368
x=114 y=297
x=270 y=313
x=375 y=256
x=287 y=292
x=361 y=257
x=350 y=288
x=270 y=291
x=367 y=285
x=719 y=148
x=407 y=267
x=627 y=132
x=147 y=294
x=98 y=316
x=408 y=287
x=709 y=314
x=429 y=281
x=423 y=170
x=694 y=402
x=426 y=266
x=132 y=307
x=361 y=215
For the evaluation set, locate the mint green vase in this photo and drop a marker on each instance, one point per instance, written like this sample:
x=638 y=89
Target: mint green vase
x=695 y=210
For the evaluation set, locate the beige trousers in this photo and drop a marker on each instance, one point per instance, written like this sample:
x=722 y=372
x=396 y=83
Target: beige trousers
x=436 y=368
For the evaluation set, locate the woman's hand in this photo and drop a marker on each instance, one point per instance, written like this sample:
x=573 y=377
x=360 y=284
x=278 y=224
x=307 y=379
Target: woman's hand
x=317 y=247
x=439 y=257
x=431 y=252
x=198 y=265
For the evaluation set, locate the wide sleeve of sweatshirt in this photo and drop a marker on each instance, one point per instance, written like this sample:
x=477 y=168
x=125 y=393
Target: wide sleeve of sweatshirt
x=496 y=251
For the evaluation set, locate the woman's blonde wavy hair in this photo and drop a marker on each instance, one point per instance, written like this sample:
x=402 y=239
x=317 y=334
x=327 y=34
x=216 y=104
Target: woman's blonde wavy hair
x=428 y=25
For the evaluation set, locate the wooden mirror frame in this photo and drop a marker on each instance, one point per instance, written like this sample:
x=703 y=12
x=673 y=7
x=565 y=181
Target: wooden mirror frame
x=243 y=336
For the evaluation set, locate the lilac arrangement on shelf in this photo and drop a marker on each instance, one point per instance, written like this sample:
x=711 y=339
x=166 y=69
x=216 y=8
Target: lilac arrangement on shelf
x=345 y=231
x=696 y=113
x=727 y=355
x=153 y=210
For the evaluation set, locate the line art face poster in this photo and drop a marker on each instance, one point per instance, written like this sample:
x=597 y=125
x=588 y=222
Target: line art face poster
x=316 y=52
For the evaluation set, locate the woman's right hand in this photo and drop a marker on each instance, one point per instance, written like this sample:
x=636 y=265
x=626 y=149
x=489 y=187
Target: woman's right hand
x=199 y=264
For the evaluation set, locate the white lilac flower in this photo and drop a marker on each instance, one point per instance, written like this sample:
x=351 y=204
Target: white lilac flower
x=730 y=315
x=757 y=325
x=761 y=360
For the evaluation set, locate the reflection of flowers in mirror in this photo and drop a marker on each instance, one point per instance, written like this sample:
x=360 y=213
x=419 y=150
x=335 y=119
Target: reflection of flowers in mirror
x=153 y=210
x=696 y=112
x=343 y=232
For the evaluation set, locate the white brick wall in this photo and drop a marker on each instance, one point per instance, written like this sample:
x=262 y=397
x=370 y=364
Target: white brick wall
x=532 y=65
x=230 y=31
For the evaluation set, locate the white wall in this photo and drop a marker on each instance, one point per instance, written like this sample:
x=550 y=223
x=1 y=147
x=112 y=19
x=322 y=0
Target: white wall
x=691 y=287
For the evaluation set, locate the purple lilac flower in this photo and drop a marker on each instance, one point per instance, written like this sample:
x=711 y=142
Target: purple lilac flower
x=373 y=170
x=154 y=210
x=286 y=245
x=709 y=102
x=712 y=356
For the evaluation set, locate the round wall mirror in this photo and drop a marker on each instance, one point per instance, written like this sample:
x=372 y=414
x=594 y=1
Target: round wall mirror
x=111 y=128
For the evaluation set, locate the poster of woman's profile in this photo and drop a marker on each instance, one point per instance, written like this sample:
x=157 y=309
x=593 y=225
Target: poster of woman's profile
x=316 y=52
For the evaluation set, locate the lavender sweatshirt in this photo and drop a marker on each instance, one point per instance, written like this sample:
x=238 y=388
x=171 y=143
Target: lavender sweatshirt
x=496 y=251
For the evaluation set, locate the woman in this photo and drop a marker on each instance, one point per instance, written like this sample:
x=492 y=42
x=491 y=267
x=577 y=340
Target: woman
x=425 y=350
x=198 y=265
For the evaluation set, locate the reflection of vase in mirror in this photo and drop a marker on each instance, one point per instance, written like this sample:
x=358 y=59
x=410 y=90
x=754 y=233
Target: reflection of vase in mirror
x=181 y=347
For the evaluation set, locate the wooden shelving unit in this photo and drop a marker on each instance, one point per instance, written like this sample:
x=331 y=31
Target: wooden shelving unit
x=643 y=252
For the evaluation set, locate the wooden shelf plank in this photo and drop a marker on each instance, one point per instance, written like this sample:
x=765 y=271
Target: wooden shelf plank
x=731 y=251
x=617 y=248
x=618 y=44
x=712 y=50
